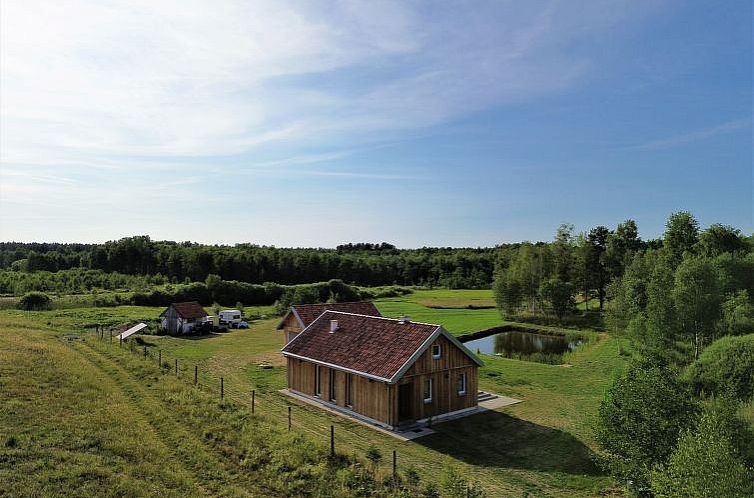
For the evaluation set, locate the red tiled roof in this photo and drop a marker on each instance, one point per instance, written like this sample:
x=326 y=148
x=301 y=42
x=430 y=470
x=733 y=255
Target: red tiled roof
x=375 y=346
x=189 y=310
x=309 y=312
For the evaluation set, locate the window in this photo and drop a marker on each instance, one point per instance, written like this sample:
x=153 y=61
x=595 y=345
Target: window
x=436 y=351
x=317 y=382
x=428 y=391
x=349 y=390
x=462 y=384
x=332 y=385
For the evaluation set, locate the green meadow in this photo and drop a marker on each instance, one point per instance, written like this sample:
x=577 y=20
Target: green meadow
x=83 y=413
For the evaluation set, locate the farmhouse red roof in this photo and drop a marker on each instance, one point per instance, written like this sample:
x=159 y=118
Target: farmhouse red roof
x=190 y=310
x=309 y=312
x=371 y=345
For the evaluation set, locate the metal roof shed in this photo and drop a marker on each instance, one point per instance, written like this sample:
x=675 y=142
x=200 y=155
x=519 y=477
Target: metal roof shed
x=131 y=331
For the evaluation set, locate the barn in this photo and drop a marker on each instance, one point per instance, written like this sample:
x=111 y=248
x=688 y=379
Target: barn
x=182 y=318
x=390 y=372
x=299 y=316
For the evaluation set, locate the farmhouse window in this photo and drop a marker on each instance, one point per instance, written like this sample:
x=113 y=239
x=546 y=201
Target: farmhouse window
x=317 y=381
x=349 y=390
x=462 y=384
x=332 y=385
x=428 y=391
x=436 y=351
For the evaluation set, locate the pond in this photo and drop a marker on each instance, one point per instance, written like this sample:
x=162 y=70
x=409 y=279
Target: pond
x=520 y=342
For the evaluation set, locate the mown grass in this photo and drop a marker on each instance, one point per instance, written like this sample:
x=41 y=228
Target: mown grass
x=542 y=446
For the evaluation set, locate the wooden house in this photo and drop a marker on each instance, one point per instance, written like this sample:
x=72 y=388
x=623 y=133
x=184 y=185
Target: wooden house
x=390 y=372
x=182 y=318
x=301 y=315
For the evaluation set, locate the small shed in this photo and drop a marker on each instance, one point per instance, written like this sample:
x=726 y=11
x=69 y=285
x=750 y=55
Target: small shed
x=182 y=318
x=131 y=331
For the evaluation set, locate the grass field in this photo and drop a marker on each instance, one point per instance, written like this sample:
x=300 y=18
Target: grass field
x=542 y=446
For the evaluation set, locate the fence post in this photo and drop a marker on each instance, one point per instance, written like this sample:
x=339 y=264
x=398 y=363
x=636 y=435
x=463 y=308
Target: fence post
x=289 y=418
x=395 y=464
x=222 y=388
x=120 y=341
x=111 y=337
x=253 y=400
x=145 y=352
x=196 y=374
x=159 y=358
x=176 y=367
x=332 y=441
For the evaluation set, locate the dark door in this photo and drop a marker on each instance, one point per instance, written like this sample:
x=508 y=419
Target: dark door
x=405 y=402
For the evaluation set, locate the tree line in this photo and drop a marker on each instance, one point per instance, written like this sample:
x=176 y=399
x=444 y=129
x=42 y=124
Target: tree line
x=360 y=264
x=547 y=278
x=671 y=425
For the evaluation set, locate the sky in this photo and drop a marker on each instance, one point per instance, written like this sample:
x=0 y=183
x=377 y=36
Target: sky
x=306 y=123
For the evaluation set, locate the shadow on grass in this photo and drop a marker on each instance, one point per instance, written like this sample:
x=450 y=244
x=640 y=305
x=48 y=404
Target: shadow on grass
x=493 y=439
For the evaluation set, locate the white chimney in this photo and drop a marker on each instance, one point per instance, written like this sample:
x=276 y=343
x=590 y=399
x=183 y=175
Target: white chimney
x=333 y=326
x=403 y=319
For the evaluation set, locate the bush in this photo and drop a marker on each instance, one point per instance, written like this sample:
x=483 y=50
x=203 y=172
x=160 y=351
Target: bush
x=726 y=366
x=707 y=462
x=640 y=418
x=35 y=301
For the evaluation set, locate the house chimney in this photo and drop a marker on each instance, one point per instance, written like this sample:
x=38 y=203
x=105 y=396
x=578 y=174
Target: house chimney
x=403 y=319
x=333 y=326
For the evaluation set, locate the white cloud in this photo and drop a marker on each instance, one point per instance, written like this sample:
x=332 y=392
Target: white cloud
x=102 y=100
x=693 y=136
x=203 y=78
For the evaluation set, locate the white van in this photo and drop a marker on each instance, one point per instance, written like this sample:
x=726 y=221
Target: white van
x=231 y=318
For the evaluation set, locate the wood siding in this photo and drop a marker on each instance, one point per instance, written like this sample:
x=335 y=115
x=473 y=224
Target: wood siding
x=371 y=398
x=291 y=328
x=381 y=401
x=444 y=373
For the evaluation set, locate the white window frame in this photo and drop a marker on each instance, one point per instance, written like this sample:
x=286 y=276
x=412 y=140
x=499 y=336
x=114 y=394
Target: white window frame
x=317 y=381
x=463 y=378
x=437 y=355
x=430 y=383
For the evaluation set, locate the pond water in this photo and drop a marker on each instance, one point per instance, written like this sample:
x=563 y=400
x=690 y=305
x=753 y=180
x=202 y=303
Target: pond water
x=515 y=341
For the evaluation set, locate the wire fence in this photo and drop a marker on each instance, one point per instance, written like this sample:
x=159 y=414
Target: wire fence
x=274 y=404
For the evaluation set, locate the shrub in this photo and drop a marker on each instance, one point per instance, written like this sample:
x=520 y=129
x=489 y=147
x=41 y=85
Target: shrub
x=727 y=365
x=706 y=462
x=640 y=418
x=35 y=301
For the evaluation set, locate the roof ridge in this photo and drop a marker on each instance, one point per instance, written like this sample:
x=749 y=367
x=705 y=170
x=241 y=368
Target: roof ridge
x=330 y=304
x=381 y=317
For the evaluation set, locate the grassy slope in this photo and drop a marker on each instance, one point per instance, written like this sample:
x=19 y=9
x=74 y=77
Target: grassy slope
x=542 y=445
x=75 y=423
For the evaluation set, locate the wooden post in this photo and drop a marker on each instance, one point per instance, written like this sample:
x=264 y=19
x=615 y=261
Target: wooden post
x=395 y=464
x=253 y=400
x=145 y=352
x=196 y=374
x=176 y=367
x=159 y=358
x=332 y=441
x=289 y=418
x=111 y=336
x=222 y=388
x=120 y=341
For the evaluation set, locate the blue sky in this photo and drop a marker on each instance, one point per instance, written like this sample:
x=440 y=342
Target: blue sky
x=417 y=123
